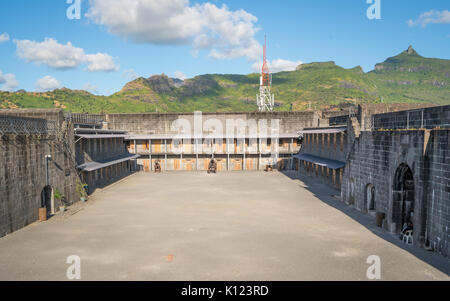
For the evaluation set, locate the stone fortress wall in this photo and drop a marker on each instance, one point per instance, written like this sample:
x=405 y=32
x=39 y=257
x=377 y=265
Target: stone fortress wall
x=27 y=136
x=402 y=169
x=396 y=163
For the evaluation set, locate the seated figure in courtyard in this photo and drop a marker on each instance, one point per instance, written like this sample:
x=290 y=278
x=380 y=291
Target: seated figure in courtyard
x=212 y=167
x=157 y=166
x=268 y=168
x=407 y=226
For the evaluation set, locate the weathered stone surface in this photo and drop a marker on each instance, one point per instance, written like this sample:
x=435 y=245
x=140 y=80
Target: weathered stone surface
x=23 y=170
x=151 y=123
x=427 y=118
x=375 y=159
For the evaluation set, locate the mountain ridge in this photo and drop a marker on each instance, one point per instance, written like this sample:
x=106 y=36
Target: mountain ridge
x=406 y=77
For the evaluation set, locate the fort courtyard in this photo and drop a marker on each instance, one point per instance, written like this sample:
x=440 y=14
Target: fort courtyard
x=224 y=226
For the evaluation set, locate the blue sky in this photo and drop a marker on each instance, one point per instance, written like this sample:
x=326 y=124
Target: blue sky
x=110 y=45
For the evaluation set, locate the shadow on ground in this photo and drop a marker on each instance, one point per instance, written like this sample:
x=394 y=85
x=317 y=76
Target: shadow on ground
x=331 y=197
x=110 y=181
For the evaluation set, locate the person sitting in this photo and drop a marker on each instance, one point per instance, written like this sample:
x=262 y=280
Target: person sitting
x=406 y=227
x=157 y=166
x=212 y=167
x=269 y=167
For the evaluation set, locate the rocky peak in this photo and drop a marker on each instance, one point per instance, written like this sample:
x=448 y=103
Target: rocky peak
x=161 y=83
x=134 y=85
x=158 y=83
x=411 y=51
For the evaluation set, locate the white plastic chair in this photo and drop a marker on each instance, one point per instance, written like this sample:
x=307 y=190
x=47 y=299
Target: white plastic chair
x=408 y=237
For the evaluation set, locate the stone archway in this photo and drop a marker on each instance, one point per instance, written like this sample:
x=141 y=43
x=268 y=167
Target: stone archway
x=403 y=198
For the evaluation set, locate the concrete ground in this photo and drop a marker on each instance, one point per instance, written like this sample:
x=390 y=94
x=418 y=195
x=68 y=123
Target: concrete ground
x=229 y=226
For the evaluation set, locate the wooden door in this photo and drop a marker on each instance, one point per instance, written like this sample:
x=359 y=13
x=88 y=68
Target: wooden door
x=237 y=164
x=225 y=146
x=187 y=165
x=249 y=164
x=176 y=164
x=146 y=165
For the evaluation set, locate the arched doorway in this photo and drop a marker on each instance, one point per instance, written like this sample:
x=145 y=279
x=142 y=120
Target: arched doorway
x=370 y=197
x=47 y=199
x=403 y=198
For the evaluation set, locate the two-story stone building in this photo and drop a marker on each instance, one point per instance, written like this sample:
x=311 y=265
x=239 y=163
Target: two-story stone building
x=102 y=157
x=190 y=152
x=323 y=153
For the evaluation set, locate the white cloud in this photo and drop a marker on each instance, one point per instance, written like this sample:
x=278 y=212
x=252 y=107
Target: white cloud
x=47 y=83
x=8 y=82
x=432 y=16
x=4 y=37
x=101 y=62
x=130 y=74
x=277 y=65
x=90 y=88
x=226 y=34
x=179 y=75
x=60 y=56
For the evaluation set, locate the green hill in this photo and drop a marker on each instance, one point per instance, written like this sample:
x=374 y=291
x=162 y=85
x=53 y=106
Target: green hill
x=407 y=77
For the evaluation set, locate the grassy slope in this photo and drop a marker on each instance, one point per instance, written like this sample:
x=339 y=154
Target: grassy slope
x=413 y=78
x=407 y=77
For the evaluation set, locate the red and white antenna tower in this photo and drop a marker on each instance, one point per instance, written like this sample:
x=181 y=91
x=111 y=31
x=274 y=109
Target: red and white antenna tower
x=265 y=99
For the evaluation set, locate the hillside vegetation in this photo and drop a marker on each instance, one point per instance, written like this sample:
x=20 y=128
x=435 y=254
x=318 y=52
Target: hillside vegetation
x=407 y=77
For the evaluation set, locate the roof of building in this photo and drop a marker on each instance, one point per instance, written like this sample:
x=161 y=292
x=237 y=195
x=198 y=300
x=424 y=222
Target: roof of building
x=330 y=163
x=92 y=166
x=205 y=136
x=88 y=136
x=97 y=133
x=327 y=130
